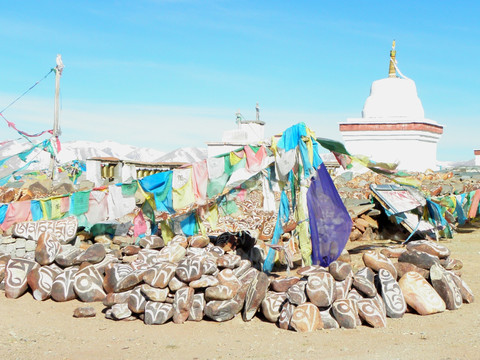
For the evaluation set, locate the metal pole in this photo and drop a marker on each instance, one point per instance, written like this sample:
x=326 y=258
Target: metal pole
x=56 y=127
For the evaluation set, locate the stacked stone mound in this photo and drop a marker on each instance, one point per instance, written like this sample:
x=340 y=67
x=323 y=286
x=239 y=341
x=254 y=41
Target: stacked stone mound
x=364 y=226
x=190 y=279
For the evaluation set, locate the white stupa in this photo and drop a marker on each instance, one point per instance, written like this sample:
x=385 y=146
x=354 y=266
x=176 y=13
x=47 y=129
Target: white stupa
x=393 y=127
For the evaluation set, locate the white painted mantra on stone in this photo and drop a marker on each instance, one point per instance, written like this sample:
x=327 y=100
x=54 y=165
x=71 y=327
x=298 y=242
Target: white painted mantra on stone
x=64 y=229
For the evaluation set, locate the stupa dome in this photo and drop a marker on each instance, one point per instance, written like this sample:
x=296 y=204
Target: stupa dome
x=393 y=99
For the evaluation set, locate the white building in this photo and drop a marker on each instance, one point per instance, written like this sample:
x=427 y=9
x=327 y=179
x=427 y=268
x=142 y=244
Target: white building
x=248 y=132
x=393 y=127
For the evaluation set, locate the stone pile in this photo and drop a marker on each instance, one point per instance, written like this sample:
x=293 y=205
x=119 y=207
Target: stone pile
x=364 y=225
x=190 y=279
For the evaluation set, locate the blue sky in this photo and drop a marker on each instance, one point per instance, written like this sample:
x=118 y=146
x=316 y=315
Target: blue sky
x=169 y=74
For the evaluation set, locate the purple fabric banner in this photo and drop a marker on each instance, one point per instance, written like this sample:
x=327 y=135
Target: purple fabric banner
x=330 y=223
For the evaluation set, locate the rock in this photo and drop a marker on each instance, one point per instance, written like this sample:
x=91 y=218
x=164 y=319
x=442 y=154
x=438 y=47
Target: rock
x=47 y=249
x=216 y=251
x=83 y=312
x=465 y=291
x=16 y=272
x=221 y=310
x=254 y=296
x=40 y=280
x=113 y=275
x=199 y=241
x=343 y=287
x=198 y=305
x=344 y=256
x=420 y=295
x=404 y=267
x=371 y=313
x=116 y=298
x=429 y=247
x=182 y=304
x=179 y=240
x=160 y=275
x=286 y=314
x=136 y=301
x=67 y=255
x=321 y=289
x=209 y=266
x=444 y=285
x=451 y=264
x=175 y=284
x=130 y=250
x=353 y=294
x=172 y=253
x=121 y=311
x=377 y=261
x=228 y=261
x=94 y=254
x=242 y=267
x=296 y=293
x=189 y=269
x=272 y=305
x=248 y=276
x=62 y=286
x=157 y=313
x=391 y=294
x=64 y=230
x=393 y=252
x=339 y=270
x=420 y=259
x=364 y=286
x=226 y=277
x=153 y=294
x=283 y=284
x=219 y=292
x=103 y=239
x=345 y=312
x=88 y=284
x=306 y=318
x=366 y=273
x=328 y=320
x=151 y=242
x=310 y=270
x=204 y=282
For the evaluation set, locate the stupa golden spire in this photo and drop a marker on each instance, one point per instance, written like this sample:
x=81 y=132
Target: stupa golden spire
x=392 y=73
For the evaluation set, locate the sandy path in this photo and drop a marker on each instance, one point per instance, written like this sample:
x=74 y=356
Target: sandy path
x=47 y=330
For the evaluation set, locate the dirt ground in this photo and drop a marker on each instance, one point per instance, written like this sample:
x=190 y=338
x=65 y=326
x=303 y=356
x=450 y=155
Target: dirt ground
x=46 y=330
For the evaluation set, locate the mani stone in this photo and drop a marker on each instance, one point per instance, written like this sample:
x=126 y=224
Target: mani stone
x=451 y=264
x=296 y=293
x=209 y=266
x=306 y=318
x=189 y=269
x=310 y=270
x=47 y=249
x=94 y=254
x=283 y=284
x=172 y=253
x=154 y=294
x=227 y=277
x=418 y=258
x=40 y=280
x=64 y=230
x=179 y=240
x=364 y=286
x=219 y=292
x=467 y=294
x=343 y=287
x=88 y=284
x=83 y=312
x=216 y=251
x=366 y=273
x=136 y=301
x=151 y=242
x=354 y=295
x=107 y=260
x=195 y=252
x=62 y=286
x=130 y=250
x=159 y=275
x=121 y=277
x=204 y=282
x=429 y=247
x=255 y=294
x=157 y=313
x=272 y=305
x=242 y=267
x=392 y=295
x=339 y=270
x=346 y=313
x=371 y=313
x=116 y=298
x=175 y=284
x=286 y=313
x=198 y=305
x=393 y=252
x=443 y=283
x=67 y=255
x=377 y=261
x=328 y=320
x=16 y=272
x=404 y=267
x=182 y=303
x=121 y=311
x=420 y=295
x=321 y=289
x=199 y=241
x=228 y=261
x=222 y=310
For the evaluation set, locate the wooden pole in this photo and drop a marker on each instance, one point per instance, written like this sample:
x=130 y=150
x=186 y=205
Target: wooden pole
x=56 y=127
